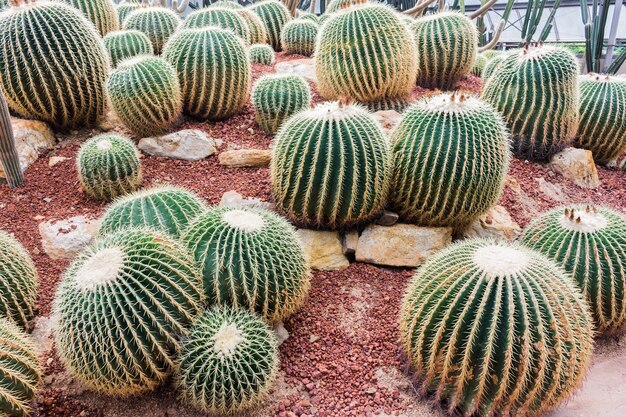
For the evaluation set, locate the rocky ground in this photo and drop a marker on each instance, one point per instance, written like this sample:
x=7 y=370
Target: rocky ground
x=341 y=357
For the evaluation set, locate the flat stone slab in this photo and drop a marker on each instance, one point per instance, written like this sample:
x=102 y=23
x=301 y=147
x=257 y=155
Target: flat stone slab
x=241 y=158
x=189 y=144
x=323 y=249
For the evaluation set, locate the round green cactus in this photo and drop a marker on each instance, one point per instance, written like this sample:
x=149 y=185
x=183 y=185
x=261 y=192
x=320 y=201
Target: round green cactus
x=446 y=43
x=602 y=116
x=3 y=4
x=495 y=329
x=108 y=166
x=122 y=306
x=479 y=65
x=101 y=13
x=145 y=94
x=258 y=31
x=19 y=371
x=226 y=4
x=18 y=281
x=261 y=54
x=298 y=37
x=492 y=65
x=365 y=53
x=274 y=15
x=124 y=9
x=451 y=156
x=310 y=16
x=220 y=17
x=323 y=18
x=338 y=5
x=590 y=243
x=213 y=69
x=536 y=90
x=250 y=258
x=228 y=362
x=275 y=97
x=165 y=208
x=124 y=44
x=158 y=23
x=73 y=94
x=331 y=167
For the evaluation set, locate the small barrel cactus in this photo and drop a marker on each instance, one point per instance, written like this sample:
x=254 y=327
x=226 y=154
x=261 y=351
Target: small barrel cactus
x=220 y=17
x=275 y=97
x=165 y=208
x=492 y=65
x=122 y=306
x=495 y=329
x=258 y=31
x=590 y=243
x=602 y=116
x=228 y=362
x=451 y=156
x=124 y=44
x=20 y=371
x=311 y=17
x=479 y=65
x=101 y=13
x=274 y=15
x=365 y=53
x=126 y=8
x=331 y=167
x=536 y=90
x=446 y=43
x=298 y=37
x=108 y=166
x=261 y=54
x=338 y=5
x=18 y=281
x=158 y=23
x=73 y=94
x=226 y=4
x=250 y=258
x=213 y=69
x=145 y=94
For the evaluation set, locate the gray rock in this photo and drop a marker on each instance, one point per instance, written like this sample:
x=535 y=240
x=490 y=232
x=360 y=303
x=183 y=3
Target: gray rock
x=281 y=333
x=304 y=67
x=64 y=239
x=43 y=331
x=233 y=199
x=190 y=145
x=350 y=241
x=496 y=223
x=388 y=218
x=323 y=249
x=576 y=165
x=32 y=138
x=245 y=158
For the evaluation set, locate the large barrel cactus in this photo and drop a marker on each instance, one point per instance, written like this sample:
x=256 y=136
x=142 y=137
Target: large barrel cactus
x=495 y=329
x=492 y=65
x=18 y=281
x=102 y=13
x=451 y=156
x=20 y=371
x=331 y=167
x=446 y=44
x=158 y=23
x=126 y=8
x=226 y=4
x=590 y=243
x=250 y=258
x=298 y=37
x=145 y=94
x=213 y=69
x=108 y=166
x=67 y=93
x=228 y=362
x=220 y=17
x=275 y=97
x=365 y=53
x=261 y=54
x=124 y=44
x=258 y=31
x=602 y=116
x=165 y=208
x=122 y=307
x=274 y=15
x=536 y=89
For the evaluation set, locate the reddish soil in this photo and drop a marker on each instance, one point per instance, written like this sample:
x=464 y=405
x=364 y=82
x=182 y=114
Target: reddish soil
x=342 y=357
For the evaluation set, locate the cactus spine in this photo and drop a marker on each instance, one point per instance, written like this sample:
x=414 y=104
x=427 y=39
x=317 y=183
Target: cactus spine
x=228 y=362
x=214 y=71
x=250 y=258
x=223 y=18
x=102 y=13
x=145 y=94
x=495 y=329
x=298 y=37
x=274 y=15
x=590 y=243
x=69 y=98
x=19 y=371
x=536 y=90
x=158 y=23
x=9 y=158
x=108 y=166
x=365 y=53
x=451 y=157
x=166 y=208
x=275 y=97
x=18 y=282
x=602 y=116
x=261 y=54
x=124 y=44
x=331 y=167
x=446 y=43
